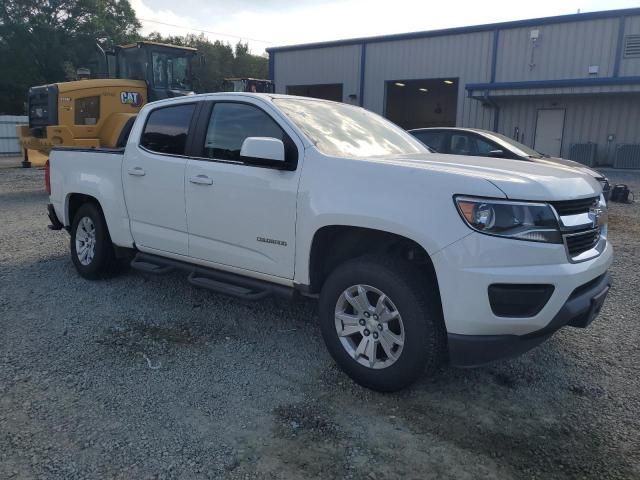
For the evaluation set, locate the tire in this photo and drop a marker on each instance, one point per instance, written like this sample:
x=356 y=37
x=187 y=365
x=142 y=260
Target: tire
x=409 y=297
x=89 y=228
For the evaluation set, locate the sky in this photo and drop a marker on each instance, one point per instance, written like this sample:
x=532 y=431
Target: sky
x=271 y=23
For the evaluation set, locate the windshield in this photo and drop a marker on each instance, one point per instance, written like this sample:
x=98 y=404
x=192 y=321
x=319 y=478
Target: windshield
x=524 y=150
x=343 y=130
x=132 y=64
x=171 y=72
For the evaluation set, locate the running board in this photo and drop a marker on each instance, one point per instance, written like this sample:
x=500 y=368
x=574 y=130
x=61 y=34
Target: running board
x=215 y=280
x=238 y=291
x=149 y=267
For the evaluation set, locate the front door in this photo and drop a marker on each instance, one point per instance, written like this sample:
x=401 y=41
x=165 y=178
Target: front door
x=240 y=215
x=549 y=128
x=153 y=181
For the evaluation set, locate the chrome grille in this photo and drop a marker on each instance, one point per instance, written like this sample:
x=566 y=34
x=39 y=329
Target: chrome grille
x=574 y=207
x=581 y=242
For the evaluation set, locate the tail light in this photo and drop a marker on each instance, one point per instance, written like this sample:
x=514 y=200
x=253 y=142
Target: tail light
x=47 y=177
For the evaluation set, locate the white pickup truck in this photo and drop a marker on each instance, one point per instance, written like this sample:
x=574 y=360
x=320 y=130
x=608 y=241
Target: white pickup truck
x=416 y=257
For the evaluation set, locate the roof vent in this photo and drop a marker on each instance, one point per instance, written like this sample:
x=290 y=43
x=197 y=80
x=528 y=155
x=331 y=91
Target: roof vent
x=632 y=46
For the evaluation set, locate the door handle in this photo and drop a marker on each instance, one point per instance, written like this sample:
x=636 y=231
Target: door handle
x=136 y=171
x=201 y=180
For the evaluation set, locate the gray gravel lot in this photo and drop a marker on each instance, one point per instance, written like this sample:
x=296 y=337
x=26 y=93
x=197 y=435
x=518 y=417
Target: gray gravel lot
x=142 y=377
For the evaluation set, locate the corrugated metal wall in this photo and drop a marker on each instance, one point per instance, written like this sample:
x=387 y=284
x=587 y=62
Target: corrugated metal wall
x=322 y=65
x=587 y=119
x=563 y=51
x=8 y=138
x=467 y=57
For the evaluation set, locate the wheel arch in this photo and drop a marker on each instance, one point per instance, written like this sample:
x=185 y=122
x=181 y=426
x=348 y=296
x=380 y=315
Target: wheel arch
x=73 y=202
x=114 y=214
x=333 y=245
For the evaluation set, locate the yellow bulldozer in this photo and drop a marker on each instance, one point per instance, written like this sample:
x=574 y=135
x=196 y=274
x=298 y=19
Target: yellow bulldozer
x=99 y=112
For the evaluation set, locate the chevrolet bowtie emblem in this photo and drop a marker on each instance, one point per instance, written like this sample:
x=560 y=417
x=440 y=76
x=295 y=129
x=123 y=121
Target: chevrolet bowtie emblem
x=596 y=215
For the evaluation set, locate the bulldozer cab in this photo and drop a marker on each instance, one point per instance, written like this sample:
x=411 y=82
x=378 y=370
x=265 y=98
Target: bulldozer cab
x=165 y=68
x=255 y=85
x=97 y=110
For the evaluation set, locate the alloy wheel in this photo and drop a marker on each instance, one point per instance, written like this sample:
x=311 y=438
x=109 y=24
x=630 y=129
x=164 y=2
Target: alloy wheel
x=369 y=326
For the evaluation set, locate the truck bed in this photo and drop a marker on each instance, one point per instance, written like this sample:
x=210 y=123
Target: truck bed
x=94 y=172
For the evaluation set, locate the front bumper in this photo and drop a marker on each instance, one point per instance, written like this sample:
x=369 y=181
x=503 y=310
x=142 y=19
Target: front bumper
x=468 y=268
x=580 y=309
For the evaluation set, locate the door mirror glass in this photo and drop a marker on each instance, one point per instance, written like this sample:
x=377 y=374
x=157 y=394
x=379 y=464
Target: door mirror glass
x=262 y=151
x=496 y=154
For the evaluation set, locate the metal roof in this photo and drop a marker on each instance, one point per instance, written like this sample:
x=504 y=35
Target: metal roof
x=156 y=44
x=576 y=17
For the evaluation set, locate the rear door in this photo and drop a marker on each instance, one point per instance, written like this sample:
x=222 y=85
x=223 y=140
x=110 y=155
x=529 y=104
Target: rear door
x=241 y=215
x=153 y=180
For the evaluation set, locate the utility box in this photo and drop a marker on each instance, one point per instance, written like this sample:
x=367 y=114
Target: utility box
x=627 y=156
x=584 y=153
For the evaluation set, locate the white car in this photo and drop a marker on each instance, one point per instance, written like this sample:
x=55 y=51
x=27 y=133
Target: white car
x=416 y=257
x=483 y=143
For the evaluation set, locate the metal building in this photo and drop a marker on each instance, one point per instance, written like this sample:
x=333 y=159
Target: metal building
x=8 y=136
x=567 y=85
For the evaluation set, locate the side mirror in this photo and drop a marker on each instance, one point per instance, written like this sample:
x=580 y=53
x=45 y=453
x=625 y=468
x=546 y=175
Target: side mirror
x=263 y=151
x=496 y=154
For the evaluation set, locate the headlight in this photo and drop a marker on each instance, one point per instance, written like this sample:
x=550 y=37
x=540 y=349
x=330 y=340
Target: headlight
x=535 y=222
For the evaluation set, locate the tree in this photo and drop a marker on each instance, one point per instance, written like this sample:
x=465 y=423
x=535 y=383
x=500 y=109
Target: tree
x=217 y=60
x=250 y=65
x=42 y=41
x=45 y=41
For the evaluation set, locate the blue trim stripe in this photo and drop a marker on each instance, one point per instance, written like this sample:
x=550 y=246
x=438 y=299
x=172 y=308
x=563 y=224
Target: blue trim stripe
x=616 y=65
x=363 y=64
x=576 y=17
x=572 y=82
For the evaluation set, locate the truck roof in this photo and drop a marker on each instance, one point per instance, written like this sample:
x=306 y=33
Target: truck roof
x=249 y=94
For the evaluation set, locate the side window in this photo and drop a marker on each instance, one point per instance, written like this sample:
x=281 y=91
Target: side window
x=87 y=110
x=434 y=140
x=462 y=144
x=167 y=129
x=483 y=147
x=232 y=123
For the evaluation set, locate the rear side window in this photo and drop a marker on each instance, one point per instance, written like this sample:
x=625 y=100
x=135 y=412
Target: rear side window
x=483 y=147
x=167 y=129
x=465 y=144
x=462 y=144
x=231 y=124
x=87 y=110
x=434 y=140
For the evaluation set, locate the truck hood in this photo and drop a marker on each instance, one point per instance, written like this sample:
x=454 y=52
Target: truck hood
x=518 y=180
x=572 y=164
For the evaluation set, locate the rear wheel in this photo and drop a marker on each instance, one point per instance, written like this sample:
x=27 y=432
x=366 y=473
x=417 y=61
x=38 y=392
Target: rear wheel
x=91 y=248
x=382 y=322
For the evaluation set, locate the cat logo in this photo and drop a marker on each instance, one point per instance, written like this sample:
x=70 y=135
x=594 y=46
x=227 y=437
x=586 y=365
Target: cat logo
x=131 y=98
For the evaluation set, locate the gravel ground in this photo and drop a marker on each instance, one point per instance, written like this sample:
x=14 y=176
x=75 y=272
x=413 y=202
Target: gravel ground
x=141 y=377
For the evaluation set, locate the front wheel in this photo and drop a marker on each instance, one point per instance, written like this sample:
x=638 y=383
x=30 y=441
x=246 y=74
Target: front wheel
x=91 y=248
x=381 y=322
